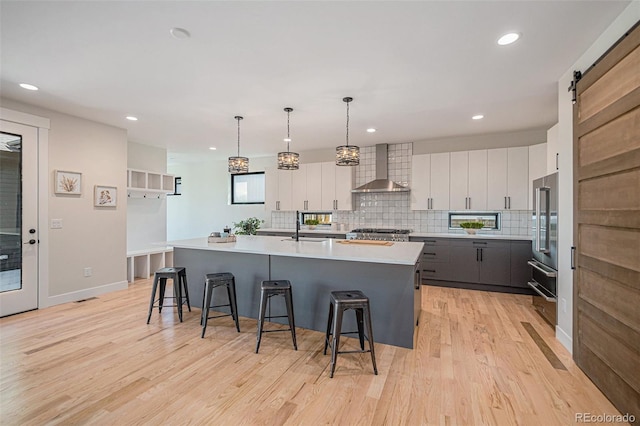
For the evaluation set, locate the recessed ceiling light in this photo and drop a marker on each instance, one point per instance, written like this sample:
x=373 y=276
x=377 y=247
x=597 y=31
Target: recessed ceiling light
x=212 y=148
x=180 y=33
x=477 y=117
x=371 y=130
x=28 y=86
x=287 y=139
x=132 y=118
x=508 y=39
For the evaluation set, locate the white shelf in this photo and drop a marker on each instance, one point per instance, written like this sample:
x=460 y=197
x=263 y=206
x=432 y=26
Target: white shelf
x=147 y=184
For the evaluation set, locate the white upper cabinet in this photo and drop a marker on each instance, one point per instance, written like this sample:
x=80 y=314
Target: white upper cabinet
x=337 y=183
x=468 y=180
x=553 y=146
x=430 y=182
x=306 y=185
x=537 y=168
x=278 y=189
x=508 y=178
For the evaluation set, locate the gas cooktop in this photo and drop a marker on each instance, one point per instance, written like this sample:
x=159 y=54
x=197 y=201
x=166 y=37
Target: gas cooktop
x=381 y=231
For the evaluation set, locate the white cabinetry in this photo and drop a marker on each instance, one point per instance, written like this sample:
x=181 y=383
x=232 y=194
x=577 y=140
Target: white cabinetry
x=278 y=189
x=430 y=182
x=553 y=147
x=468 y=180
x=508 y=178
x=306 y=186
x=149 y=184
x=537 y=168
x=337 y=183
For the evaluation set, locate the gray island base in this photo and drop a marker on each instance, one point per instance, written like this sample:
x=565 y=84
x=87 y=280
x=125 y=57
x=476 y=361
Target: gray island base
x=393 y=288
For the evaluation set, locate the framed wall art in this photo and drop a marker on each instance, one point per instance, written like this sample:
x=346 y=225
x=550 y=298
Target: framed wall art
x=68 y=183
x=105 y=196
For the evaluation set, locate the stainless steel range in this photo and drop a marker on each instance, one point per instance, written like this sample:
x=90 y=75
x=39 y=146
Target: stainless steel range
x=381 y=234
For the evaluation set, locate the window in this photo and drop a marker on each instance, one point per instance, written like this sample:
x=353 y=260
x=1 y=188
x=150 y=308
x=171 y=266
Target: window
x=247 y=188
x=489 y=220
x=177 y=186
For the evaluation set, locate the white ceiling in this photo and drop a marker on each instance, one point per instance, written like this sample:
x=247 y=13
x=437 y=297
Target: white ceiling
x=416 y=70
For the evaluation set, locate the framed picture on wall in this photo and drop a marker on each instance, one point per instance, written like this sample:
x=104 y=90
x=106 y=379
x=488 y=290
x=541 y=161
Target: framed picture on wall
x=105 y=196
x=68 y=183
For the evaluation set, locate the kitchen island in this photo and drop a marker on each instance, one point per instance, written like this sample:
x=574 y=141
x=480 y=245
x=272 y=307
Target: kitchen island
x=388 y=275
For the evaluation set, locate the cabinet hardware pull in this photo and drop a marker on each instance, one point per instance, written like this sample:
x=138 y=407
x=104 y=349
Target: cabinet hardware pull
x=429 y=254
x=547 y=273
x=505 y=203
x=430 y=270
x=534 y=286
x=477 y=254
x=509 y=198
x=557 y=154
x=480 y=255
x=573 y=257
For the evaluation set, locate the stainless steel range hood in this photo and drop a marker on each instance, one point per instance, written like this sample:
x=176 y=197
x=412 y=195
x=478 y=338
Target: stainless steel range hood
x=382 y=182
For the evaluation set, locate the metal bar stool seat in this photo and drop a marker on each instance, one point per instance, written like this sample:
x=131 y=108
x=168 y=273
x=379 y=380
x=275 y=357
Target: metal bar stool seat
x=341 y=301
x=180 y=289
x=211 y=282
x=268 y=289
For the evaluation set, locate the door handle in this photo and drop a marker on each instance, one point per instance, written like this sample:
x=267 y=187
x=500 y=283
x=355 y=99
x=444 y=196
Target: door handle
x=31 y=241
x=573 y=257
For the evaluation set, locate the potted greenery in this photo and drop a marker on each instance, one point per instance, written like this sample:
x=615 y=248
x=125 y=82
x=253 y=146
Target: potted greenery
x=311 y=223
x=471 y=227
x=248 y=226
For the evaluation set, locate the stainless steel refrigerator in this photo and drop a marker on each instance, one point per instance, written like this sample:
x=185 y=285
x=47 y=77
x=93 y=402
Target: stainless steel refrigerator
x=544 y=262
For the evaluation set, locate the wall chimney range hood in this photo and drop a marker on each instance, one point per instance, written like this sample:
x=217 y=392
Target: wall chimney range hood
x=382 y=182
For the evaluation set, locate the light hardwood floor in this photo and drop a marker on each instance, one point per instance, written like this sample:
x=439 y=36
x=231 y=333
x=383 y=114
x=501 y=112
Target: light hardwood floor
x=98 y=362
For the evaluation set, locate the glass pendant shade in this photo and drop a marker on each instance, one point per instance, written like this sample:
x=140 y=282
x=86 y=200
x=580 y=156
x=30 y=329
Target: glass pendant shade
x=347 y=155
x=288 y=160
x=238 y=164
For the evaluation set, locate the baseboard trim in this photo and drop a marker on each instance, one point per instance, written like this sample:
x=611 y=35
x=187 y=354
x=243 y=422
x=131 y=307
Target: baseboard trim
x=85 y=294
x=565 y=339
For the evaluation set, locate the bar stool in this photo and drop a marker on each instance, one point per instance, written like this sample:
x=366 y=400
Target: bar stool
x=216 y=280
x=341 y=301
x=268 y=290
x=179 y=276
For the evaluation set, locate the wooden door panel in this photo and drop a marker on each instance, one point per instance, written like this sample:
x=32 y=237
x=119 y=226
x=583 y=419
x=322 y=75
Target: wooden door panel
x=617 y=82
x=611 y=297
x=617 y=246
x=606 y=165
x=617 y=137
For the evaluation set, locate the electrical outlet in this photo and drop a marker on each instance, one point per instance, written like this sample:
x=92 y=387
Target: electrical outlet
x=563 y=302
x=56 y=223
x=87 y=272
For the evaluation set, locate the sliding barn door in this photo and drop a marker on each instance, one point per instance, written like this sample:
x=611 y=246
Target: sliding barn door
x=607 y=224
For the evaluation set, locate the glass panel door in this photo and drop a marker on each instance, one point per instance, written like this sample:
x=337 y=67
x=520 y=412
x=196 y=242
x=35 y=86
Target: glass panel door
x=18 y=218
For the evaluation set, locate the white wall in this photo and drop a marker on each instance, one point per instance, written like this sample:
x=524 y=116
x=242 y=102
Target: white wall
x=91 y=236
x=631 y=15
x=204 y=205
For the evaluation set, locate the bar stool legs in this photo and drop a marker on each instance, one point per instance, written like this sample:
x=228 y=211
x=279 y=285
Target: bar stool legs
x=269 y=289
x=179 y=277
x=340 y=302
x=216 y=280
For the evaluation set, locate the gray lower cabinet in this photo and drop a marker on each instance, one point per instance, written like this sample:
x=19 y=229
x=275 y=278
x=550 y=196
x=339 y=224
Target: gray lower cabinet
x=485 y=262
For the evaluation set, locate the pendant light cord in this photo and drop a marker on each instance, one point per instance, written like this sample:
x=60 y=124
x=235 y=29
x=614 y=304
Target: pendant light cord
x=288 y=136
x=238 y=118
x=347 y=123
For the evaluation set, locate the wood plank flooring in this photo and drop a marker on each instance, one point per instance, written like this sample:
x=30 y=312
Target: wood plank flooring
x=98 y=362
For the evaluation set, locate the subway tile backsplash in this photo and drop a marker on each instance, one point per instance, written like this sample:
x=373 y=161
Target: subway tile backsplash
x=393 y=210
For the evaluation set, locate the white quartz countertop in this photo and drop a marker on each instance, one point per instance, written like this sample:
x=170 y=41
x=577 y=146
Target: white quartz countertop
x=400 y=253
x=478 y=236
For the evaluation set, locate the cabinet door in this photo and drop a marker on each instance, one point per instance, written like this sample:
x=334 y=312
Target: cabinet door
x=477 y=180
x=537 y=168
x=298 y=187
x=284 y=189
x=518 y=178
x=440 y=181
x=497 y=179
x=553 y=146
x=420 y=181
x=344 y=185
x=328 y=187
x=520 y=270
x=495 y=267
x=464 y=264
x=314 y=185
x=271 y=188
x=459 y=180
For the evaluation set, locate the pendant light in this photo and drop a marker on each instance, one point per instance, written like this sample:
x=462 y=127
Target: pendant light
x=238 y=164
x=347 y=155
x=288 y=160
